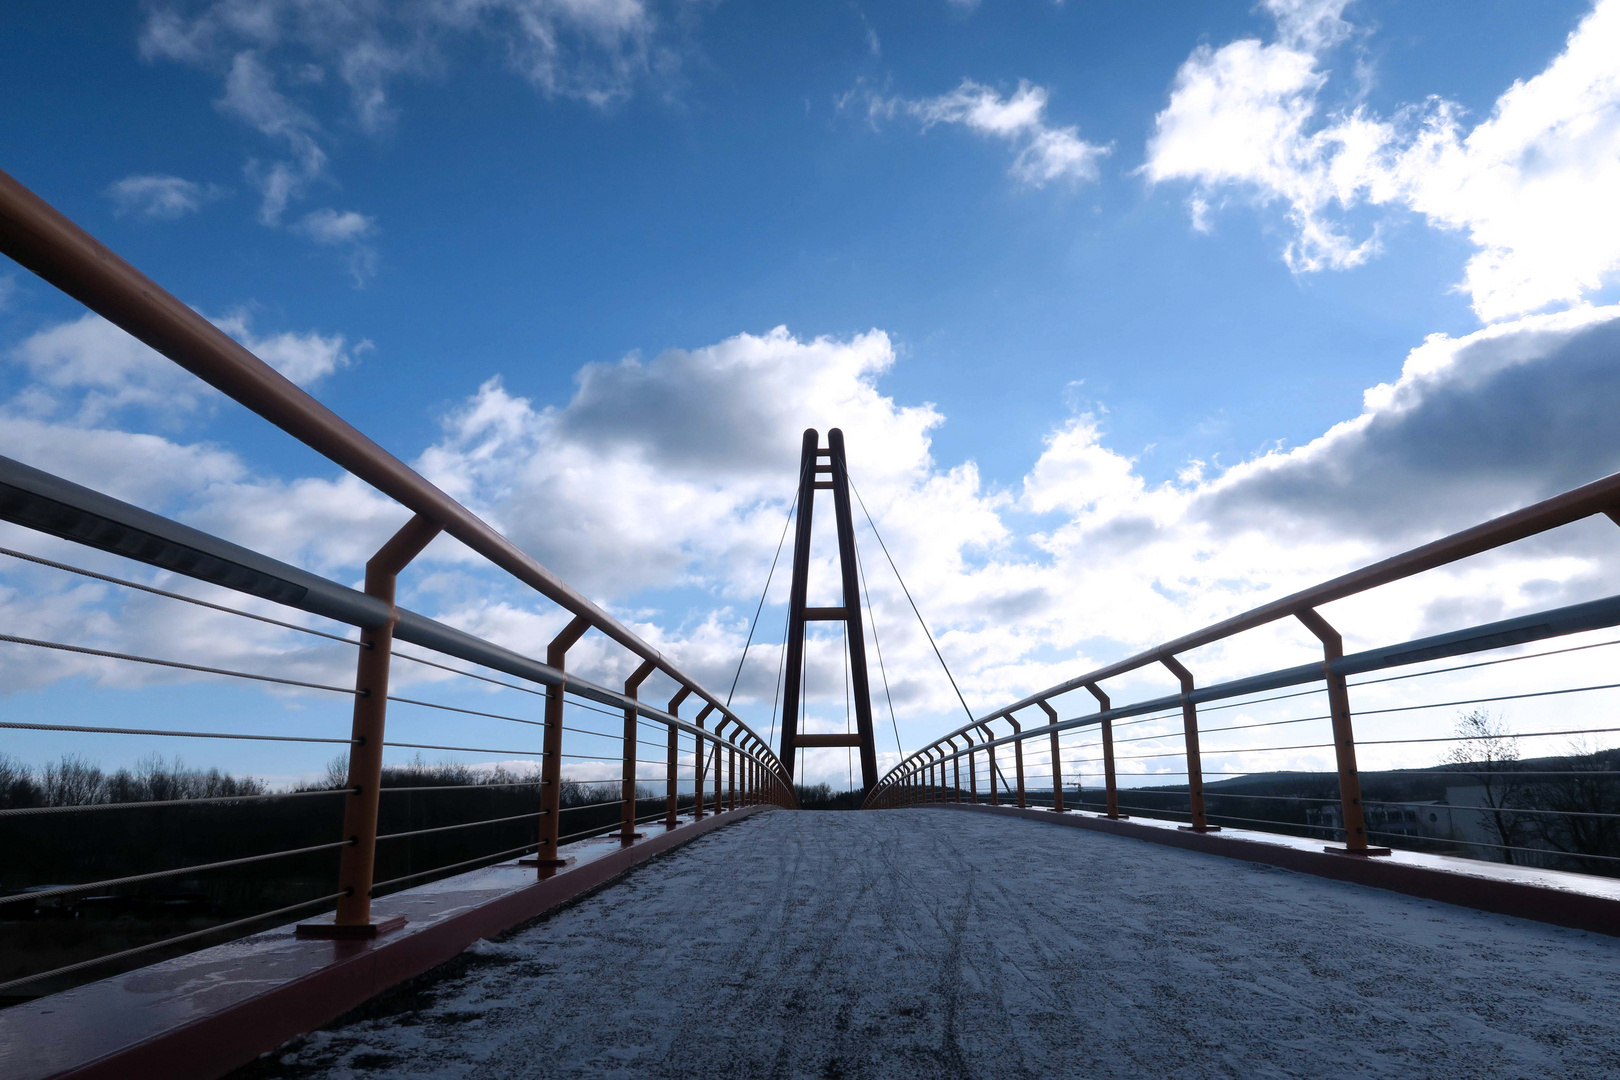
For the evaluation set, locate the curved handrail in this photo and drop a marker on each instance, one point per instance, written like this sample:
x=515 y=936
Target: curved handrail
x=39 y=237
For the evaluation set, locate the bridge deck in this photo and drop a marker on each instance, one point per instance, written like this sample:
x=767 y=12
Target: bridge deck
x=922 y=943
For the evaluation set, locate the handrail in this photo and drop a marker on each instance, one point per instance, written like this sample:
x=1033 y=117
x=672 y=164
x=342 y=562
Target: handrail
x=39 y=237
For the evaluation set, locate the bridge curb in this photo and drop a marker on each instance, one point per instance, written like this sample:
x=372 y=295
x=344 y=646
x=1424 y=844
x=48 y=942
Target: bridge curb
x=1470 y=884
x=53 y=1030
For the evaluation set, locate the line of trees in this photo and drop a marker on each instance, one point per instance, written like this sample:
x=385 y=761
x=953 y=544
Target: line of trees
x=73 y=781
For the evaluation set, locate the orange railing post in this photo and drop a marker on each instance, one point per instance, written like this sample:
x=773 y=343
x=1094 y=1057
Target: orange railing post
x=632 y=748
x=1057 y=760
x=546 y=859
x=990 y=755
x=1195 y=766
x=1344 y=739
x=1110 y=786
x=671 y=807
x=357 y=866
x=1018 y=757
x=698 y=765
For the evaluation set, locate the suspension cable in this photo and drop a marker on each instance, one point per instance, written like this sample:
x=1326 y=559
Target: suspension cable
x=792 y=507
x=871 y=618
x=909 y=600
x=781 y=662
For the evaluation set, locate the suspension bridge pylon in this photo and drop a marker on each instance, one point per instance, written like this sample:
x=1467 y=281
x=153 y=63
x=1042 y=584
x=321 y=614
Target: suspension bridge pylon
x=826 y=470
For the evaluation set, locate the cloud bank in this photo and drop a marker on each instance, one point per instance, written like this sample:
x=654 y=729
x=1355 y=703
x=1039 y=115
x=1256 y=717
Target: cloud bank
x=661 y=488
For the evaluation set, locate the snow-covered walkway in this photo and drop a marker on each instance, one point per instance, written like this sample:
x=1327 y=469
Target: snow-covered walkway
x=931 y=943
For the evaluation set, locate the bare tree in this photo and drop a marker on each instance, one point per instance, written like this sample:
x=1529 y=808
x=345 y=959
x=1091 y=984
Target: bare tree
x=72 y=781
x=1591 y=789
x=1490 y=753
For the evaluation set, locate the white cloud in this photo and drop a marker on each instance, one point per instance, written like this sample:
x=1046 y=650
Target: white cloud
x=160 y=197
x=89 y=370
x=251 y=95
x=661 y=487
x=281 y=60
x=1531 y=185
x=1046 y=154
x=594 y=50
x=336 y=227
x=346 y=229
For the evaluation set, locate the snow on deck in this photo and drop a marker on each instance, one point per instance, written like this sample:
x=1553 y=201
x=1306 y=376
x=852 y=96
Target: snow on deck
x=930 y=943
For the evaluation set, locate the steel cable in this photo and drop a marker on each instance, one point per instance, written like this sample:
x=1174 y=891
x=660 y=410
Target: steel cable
x=174 y=595
x=87 y=651
x=909 y=600
x=149 y=947
x=132 y=879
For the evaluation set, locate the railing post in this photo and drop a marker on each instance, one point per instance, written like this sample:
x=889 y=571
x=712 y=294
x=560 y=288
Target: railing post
x=699 y=769
x=731 y=779
x=1018 y=757
x=719 y=748
x=973 y=768
x=1344 y=739
x=990 y=755
x=1195 y=764
x=1111 y=796
x=956 y=769
x=632 y=750
x=357 y=864
x=671 y=807
x=546 y=859
x=1057 y=759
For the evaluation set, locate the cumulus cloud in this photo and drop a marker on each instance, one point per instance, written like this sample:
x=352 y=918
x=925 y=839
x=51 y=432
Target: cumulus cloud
x=159 y=197
x=1530 y=185
x=1046 y=154
x=88 y=370
x=661 y=486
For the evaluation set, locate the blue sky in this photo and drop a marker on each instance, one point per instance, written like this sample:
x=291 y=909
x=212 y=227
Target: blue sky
x=1062 y=271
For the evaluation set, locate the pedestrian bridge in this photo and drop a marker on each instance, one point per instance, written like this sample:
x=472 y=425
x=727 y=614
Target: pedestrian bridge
x=1067 y=884
x=925 y=943
x=933 y=942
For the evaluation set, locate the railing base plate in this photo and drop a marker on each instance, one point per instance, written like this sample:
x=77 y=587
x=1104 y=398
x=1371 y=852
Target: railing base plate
x=1193 y=828
x=1332 y=850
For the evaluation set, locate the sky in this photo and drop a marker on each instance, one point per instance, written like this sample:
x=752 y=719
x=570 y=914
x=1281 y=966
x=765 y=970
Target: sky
x=1134 y=316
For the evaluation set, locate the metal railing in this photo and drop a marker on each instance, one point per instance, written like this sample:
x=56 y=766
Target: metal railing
x=707 y=761
x=1070 y=750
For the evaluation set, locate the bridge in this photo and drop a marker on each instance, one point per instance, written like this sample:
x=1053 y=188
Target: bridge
x=993 y=908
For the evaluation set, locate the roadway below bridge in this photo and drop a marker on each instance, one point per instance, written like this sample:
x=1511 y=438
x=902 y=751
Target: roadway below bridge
x=931 y=943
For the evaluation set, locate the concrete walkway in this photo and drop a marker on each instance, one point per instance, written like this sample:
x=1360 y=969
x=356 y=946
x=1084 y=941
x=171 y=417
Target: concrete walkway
x=932 y=943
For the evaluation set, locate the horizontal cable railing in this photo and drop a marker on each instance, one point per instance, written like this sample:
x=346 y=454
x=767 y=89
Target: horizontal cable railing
x=426 y=830
x=1539 y=786
x=240 y=857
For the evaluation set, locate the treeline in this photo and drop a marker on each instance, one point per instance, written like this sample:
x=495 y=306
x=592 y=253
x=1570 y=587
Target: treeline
x=127 y=838
x=72 y=781
x=823 y=797
x=1519 y=804
x=127 y=831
